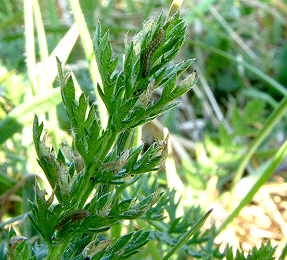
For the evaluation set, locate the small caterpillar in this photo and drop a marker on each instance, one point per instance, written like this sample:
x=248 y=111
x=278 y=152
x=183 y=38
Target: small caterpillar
x=147 y=57
x=74 y=216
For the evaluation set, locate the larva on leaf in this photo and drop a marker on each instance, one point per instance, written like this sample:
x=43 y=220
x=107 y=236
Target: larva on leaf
x=151 y=48
x=74 y=217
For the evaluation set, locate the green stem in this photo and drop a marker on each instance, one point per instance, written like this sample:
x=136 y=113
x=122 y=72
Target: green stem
x=108 y=143
x=87 y=186
x=187 y=236
x=124 y=141
x=284 y=253
x=138 y=136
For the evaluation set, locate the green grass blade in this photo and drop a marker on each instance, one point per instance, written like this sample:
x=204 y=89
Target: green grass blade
x=88 y=48
x=284 y=253
x=12 y=220
x=232 y=34
x=254 y=93
x=138 y=136
x=30 y=45
x=280 y=155
x=62 y=51
x=187 y=236
x=24 y=113
x=269 y=125
x=44 y=83
x=54 y=19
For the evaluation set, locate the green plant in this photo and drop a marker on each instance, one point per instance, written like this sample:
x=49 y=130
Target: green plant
x=73 y=227
x=265 y=252
x=222 y=36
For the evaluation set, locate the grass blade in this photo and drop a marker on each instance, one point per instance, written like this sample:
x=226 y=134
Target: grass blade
x=284 y=253
x=269 y=125
x=62 y=51
x=232 y=34
x=30 y=45
x=12 y=220
x=263 y=178
x=43 y=77
x=187 y=236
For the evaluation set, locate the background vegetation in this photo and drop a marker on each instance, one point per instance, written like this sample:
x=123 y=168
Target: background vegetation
x=227 y=136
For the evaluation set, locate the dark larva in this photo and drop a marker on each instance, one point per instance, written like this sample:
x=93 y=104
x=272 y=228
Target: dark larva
x=74 y=216
x=147 y=57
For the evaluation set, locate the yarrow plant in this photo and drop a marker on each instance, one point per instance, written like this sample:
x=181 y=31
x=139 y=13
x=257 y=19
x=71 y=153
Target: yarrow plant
x=87 y=198
x=96 y=187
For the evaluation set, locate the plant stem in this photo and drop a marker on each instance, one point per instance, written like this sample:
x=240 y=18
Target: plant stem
x=87 y=186
x=187 y=236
